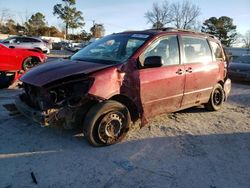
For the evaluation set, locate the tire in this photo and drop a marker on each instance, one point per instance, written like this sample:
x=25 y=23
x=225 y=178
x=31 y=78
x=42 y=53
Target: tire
x=216 y=99
x=29 y=63
x=106 y=123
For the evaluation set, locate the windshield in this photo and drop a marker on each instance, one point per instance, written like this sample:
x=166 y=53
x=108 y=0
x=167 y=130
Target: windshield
x=243 y=59
x=111 y=49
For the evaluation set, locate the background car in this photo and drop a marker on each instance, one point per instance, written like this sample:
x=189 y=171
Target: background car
x=15 y=61
x=239 y=69
x=27 y=42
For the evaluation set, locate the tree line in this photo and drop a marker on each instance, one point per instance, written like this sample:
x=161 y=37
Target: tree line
x=185 y=14
x=180 y=14
x=37 y=25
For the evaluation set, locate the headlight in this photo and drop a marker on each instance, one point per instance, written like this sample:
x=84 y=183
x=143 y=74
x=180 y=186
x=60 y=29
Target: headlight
x=70 y=92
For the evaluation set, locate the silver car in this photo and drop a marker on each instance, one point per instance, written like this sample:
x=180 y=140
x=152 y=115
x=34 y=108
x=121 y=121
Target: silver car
x=27 y=42
x=239 y=69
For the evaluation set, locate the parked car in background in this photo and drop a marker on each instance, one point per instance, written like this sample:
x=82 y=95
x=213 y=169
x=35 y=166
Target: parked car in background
x=15 y=61
x=27 y=42
x=126 y=76
x=239 y=68
x=59 y=45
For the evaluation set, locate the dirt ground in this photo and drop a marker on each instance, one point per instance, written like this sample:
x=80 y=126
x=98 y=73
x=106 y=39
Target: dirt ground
x=191 y=148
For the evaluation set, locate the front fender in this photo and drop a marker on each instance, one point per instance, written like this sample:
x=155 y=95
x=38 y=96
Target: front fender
x=107 y=83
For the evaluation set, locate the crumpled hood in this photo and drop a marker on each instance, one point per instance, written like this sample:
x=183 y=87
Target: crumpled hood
x=58 y=69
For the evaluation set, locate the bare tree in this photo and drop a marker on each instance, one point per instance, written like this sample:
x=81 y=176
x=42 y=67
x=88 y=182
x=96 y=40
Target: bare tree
x=184 y=14
x=24 y=16
x=180 y=14
x=4 y=15
x=159 y=15
x=246 y=39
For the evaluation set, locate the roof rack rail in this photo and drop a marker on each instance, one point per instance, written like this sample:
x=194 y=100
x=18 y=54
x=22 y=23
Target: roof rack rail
x=183 y=30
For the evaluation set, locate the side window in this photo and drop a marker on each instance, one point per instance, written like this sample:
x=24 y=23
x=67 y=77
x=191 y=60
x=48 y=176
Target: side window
x=32 y=40
x=26 y=40
x=196 y=50
x=217 y=51
x=18 y=40
x=7 y=42
x=166 y=47
x=10 y=41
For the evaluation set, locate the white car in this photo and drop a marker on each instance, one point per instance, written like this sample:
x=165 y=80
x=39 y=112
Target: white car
x=26 y=42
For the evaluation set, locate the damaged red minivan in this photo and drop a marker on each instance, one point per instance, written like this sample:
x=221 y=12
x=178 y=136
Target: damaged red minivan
x=125 y=77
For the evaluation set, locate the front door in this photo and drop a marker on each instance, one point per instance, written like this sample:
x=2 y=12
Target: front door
x=161 y=88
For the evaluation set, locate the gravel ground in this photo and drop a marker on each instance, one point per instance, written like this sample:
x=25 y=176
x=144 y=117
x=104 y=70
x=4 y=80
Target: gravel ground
x=191 y=148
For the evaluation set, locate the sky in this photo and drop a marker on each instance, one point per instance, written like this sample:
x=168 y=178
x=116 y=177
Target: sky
x=120 y=15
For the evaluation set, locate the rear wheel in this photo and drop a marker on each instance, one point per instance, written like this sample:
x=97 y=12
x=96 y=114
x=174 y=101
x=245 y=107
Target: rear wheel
x=106 y=123
x=216 y=99
x=29 y=63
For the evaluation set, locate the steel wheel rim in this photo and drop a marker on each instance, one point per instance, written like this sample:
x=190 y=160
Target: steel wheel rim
x=217 y=97
x=111 y=127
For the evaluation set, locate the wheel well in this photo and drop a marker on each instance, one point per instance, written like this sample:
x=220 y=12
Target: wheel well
x=34 y=59
x=129 y=104
x=38 y=48
x=221 y=83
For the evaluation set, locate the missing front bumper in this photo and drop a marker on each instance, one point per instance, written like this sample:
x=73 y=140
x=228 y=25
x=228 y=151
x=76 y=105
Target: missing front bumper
x=41 y=117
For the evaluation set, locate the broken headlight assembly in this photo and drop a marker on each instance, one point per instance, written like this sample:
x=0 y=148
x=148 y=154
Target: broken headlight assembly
x=56 y=95
x=70 y=94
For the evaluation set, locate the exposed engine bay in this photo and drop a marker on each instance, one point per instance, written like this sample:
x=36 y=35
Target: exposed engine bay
x=61 y=104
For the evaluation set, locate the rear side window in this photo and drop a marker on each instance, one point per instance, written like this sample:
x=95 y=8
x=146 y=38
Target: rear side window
x=217 y=51
x=196 y=50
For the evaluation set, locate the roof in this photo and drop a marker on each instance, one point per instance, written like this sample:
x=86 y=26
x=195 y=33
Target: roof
x=169 y=30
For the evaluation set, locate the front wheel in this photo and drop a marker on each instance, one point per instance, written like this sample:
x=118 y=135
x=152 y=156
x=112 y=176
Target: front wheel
x=216 y=99
x=29 y=63
x=106 y=123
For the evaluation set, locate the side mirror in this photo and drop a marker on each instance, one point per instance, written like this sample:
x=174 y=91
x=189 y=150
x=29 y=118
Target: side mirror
x=153 y=61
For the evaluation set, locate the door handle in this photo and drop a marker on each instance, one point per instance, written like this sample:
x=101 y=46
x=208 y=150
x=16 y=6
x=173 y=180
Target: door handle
x=179 y=71
x=189 y=70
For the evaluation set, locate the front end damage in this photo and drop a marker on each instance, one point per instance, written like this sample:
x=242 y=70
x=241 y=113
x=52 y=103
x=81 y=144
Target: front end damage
x=56 y=104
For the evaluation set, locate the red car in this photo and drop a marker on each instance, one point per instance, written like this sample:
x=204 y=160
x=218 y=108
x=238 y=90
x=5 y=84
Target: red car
x=124 y=77
x=15 y=61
